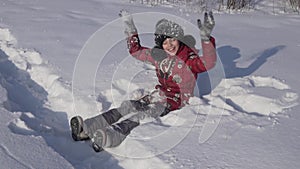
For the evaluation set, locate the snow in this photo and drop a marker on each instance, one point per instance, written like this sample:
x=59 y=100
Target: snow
x=59 y=59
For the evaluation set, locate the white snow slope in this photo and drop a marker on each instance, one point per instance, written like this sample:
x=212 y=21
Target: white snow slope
x=54 y=64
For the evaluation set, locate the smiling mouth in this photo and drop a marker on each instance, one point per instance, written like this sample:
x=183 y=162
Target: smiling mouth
x=172 y=50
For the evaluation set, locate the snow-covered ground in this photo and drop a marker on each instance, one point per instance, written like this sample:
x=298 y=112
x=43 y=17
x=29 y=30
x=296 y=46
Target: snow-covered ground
x=63 y=58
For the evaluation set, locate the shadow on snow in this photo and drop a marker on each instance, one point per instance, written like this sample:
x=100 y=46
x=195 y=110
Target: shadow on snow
x=226 y=67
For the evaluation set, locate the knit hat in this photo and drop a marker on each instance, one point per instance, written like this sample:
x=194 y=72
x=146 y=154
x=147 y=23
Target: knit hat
x=167 y=29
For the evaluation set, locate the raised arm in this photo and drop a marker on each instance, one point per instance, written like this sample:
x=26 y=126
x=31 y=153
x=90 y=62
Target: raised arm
x=208 y=60
x=133 y=41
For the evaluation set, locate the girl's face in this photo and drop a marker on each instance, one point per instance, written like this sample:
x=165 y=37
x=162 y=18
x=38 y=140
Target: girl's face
x=171 y=46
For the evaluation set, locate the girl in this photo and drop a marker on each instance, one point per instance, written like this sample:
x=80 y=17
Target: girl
x=177 y=65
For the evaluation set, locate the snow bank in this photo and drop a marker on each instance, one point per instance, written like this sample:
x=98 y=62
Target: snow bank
x=244 y=95
x=20 y=147
x=59 y=96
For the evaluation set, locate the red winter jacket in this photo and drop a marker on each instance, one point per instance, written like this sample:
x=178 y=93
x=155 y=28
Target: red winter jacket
x=176 y=74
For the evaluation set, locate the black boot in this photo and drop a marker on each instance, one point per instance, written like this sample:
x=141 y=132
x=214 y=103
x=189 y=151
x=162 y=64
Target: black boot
x=76 y=124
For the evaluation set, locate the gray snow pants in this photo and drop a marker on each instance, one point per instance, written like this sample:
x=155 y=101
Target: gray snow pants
x=117 y=132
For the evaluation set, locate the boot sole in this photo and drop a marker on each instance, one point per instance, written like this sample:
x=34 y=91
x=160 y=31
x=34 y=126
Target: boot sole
x=76 y=128
x=97 y=148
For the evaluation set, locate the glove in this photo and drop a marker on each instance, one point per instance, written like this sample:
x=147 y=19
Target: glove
x=130 y=28
x=207 y=26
